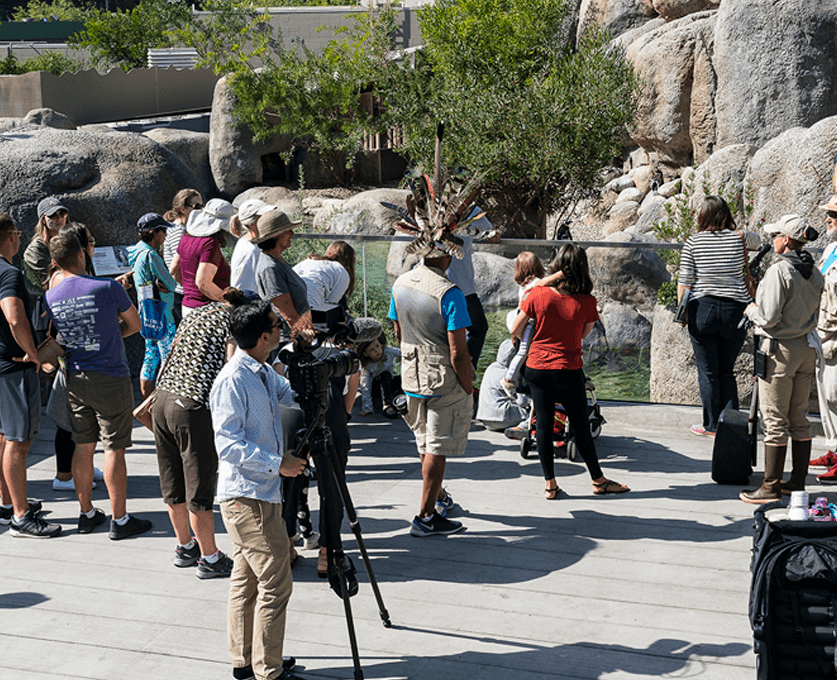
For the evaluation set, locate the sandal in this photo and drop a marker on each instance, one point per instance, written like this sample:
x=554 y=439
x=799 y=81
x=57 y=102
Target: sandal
x=608 y=486
x=322 y=565
x=551 y=494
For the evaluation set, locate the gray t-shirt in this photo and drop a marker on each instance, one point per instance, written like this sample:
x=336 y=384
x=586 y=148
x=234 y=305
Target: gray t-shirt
x=276 y=277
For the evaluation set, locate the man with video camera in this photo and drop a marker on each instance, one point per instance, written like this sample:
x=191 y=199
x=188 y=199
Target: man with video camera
x=244 y=402
x=431 y=317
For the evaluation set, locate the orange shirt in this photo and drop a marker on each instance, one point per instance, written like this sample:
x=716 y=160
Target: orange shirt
x=559 y=324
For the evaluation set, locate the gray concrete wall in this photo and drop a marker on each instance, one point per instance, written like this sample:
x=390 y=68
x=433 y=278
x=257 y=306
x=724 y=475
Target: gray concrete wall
x=91 y=97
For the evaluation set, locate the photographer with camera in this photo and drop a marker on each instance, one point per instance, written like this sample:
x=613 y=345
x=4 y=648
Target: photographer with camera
x=244 y=402
x=431 y=316
x=785 y=314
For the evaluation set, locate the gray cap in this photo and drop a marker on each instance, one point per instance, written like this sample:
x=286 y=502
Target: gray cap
x=50 y=206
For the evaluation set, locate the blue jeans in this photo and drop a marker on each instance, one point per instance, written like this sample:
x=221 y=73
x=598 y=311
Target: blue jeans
x=716 y=340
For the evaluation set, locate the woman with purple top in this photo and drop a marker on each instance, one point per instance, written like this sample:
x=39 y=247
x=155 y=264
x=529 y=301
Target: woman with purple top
x=199 y=264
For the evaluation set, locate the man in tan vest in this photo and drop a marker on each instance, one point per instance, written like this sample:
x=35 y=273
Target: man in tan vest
x=431 y=317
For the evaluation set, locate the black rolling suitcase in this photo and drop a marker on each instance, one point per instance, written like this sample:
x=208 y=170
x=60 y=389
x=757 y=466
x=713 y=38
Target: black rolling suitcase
x=793 y=598
x=734 y=451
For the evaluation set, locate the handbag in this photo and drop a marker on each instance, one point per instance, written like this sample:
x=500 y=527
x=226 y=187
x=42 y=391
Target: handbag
x=152 y=311
x=749 y=280
x=682 y=313
x=143 y=412
x=49 y=351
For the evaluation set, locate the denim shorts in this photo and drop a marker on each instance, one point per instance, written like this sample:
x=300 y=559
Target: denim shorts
x=20 y=405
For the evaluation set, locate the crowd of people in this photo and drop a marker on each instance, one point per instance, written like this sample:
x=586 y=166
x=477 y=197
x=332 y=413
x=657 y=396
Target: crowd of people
x=213 y=331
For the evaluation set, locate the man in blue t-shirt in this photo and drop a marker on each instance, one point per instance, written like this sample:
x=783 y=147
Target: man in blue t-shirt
x=92 y=316
x=431 y=315
x=20 y=394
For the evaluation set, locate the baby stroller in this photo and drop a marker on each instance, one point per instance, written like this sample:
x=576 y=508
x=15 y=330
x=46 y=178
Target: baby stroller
x=565 y=446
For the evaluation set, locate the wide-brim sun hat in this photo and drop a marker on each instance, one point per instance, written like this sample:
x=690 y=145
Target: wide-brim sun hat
x=272 y=224
x=831 y=205
x=794 y=227
x=215 y=216
x=252 y=209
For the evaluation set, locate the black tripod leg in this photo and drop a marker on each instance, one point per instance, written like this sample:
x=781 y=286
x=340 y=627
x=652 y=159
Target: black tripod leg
x=336 y=558
x=354 y=524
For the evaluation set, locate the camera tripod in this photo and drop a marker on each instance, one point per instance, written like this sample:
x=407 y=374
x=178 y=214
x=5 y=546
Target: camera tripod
x=341 y=570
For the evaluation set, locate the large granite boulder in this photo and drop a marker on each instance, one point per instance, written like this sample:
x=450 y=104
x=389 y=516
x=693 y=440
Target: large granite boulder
x=106 y=181
x=624 y=326
x=675 y=9
x=494 y=279
x=49 y=118
x=723 y=172
x=777 y=67
x=676 y=114
x=363 y=213
x=193 y=149
x=284 y=199
x=617 y=16
x=234 y=156
x=628 y=275
x=792 y=174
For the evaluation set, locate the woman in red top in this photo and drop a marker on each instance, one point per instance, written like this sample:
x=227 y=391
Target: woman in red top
x=564 y=314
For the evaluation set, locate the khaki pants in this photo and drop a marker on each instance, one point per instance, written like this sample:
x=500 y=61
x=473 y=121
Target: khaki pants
x=827 y=394
x=783 y=397
x=260 y=584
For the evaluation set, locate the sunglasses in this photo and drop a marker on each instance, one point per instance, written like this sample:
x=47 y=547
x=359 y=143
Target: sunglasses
x=58 y=214
x=196 y=206
x=832 y=214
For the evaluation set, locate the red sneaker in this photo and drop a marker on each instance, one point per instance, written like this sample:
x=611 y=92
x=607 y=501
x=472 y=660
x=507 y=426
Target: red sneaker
x=826 y=461
x=828 y=477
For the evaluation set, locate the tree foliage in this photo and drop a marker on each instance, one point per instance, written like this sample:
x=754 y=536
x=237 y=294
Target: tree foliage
x=313 y=96
x=535 y=114
x=123 y=38
x=53 y=62
x=63 y=10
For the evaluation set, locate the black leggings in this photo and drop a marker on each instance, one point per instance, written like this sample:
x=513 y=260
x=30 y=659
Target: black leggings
x=565 y=387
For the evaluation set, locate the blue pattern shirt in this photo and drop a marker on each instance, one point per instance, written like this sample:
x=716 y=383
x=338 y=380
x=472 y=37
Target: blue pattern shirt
x=248 y=430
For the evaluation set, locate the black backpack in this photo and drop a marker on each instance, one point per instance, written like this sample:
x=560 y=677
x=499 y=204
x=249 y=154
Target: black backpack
x=793 y=598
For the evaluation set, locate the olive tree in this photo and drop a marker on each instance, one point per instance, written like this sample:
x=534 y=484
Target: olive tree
x=533 y=113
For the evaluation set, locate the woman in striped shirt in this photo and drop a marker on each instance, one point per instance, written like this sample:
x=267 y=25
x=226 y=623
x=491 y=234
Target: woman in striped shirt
x=712 y=266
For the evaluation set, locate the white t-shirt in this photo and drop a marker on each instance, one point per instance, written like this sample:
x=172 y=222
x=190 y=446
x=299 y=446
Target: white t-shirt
x=245 y=257
x=327 y=282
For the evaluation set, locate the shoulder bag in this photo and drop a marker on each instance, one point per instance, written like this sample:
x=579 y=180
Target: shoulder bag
x=749 y=280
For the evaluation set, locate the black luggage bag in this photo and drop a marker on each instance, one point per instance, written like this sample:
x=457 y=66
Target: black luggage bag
x=793 y=598
x=734 y=451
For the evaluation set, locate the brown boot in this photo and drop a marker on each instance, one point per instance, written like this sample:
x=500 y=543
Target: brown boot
x=800 y=455
x=770 y=490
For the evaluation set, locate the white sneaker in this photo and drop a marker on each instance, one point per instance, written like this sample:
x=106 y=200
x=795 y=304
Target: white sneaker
x=98 y=476
x=311 y=542
x=68 y=485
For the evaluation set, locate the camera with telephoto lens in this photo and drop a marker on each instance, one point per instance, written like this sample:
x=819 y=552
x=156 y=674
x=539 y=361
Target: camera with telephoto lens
x=308 y=374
